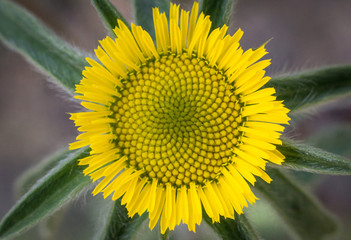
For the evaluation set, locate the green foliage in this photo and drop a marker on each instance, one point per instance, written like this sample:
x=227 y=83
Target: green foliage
x=31 y=176
x=117 y=225
x=143 y=13
x=219 y=11
x=336 y=139
x=108 y=14
x=51 y=192
x=309 y=88
x=28 y=36
x=228 y=229
x=310 y=159
x=48 y=226
x=299 y=210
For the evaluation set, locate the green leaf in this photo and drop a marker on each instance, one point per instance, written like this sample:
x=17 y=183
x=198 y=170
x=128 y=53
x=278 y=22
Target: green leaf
x=49 y=227
x=24 y=33
x=229 y=229
x=310 y=159
x=165 y=236
x=117 y=225
x=31 y=176
x=60 y=185
x=299 y=210
x=335 y=138
x=143 y=13
x=264 y=219
x=305 y=89
x=219 y=11
x=109 y=14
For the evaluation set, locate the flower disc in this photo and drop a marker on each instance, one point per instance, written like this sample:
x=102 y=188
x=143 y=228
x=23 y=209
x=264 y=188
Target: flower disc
x=179 y=126
x=177 y=120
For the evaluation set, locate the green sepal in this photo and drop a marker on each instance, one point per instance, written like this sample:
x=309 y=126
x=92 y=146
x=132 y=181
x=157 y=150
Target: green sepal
x=219 y=11
x=232 y=229
x=109 y=14
x=24 y=33
x=143 y=13
x=305 y=89
x=117 y=225
x=61 y=184
x=310 y=159
x=299 y=210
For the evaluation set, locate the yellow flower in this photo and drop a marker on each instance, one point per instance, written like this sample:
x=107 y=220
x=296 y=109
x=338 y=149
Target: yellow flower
x=179 y=126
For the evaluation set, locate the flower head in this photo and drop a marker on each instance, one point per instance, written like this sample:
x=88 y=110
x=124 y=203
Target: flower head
x=181 y=125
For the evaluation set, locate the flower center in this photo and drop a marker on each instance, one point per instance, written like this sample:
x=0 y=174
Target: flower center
x=177 y=119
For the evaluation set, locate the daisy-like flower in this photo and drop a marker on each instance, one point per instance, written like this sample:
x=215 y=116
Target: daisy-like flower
x=181 y=125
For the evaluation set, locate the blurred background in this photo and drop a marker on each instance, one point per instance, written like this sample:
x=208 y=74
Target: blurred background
x=34 y=113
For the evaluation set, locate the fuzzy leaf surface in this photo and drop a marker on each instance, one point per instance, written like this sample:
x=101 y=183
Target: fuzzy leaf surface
x=143 y=13
x=61 y=184
x=228 y=229
x=306 y=158
x=219 y=11
x=299 y=210
x=23 y=32
x=302 y=90
x=31 y=176
x=109 y=14
x=118 y=225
